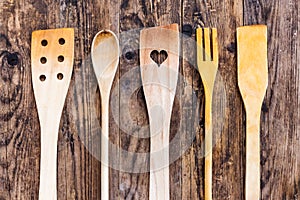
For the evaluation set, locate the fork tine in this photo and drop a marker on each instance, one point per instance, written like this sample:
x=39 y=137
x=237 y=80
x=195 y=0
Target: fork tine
x=215 y=51
x=200 y=44
x=207 y=44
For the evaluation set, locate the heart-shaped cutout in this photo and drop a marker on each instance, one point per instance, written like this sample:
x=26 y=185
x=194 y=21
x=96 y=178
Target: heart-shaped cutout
x=159 y=57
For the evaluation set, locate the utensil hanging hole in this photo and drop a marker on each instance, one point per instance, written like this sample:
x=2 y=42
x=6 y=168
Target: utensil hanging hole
x=60 y=76
x=61 y=58
x=43 y=60
x=42 y=78
x=61 y=41
x=44 y=43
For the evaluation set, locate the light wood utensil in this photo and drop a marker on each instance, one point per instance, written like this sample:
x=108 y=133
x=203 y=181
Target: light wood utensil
x=52 y=53
x=159 y=77
x=208 y=61
x=252 y=81
x=105 y=58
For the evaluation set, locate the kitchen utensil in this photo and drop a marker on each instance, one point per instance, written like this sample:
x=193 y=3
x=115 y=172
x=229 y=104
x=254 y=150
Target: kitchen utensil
x=105 y=58
x=52 y=53
x=159 y=58
x=207 y=56
x=253 y=82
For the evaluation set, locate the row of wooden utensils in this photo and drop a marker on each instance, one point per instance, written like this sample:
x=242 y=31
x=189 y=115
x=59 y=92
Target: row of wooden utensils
x=52 y=64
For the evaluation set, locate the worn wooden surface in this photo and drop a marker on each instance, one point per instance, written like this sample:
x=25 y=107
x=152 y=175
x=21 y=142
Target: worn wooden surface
x=78 y=165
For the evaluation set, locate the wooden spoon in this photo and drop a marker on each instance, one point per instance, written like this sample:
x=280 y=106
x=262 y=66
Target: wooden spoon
x=159 y=56
x=253 y=82
x=105 y=57
x=52 y=53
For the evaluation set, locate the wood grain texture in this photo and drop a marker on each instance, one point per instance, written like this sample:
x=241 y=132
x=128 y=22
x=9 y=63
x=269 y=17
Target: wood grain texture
x=78 y=144
x=280 y=145
x=228 y=151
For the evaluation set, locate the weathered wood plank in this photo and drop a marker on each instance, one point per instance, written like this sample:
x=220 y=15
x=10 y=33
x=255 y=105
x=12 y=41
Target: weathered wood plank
x=280 y=132
x=193 y=102
x=19 y=151
x=137 y=15
x=78 y=145
x=227 y=177
x=77 y=169
x=133 y=114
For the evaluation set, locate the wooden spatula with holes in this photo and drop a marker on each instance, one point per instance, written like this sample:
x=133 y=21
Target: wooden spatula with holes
x=252 y=81
x=159 y=56
x=52 y=53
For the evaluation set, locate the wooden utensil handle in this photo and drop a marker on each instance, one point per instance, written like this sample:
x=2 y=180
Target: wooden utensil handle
x=159 y=186
x=159 y=177
x=104 y=149
x=253 y=155
x=208 y=147
x=48 y=166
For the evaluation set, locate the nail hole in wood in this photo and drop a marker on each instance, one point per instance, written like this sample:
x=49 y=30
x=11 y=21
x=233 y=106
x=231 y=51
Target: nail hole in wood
x=129 y=55
x=60 y=76
x=187 y=29
x=61 y=41
x=44 y=43
x=12 y=59
x=42 y=78
x=61 y=58
x=43 y=60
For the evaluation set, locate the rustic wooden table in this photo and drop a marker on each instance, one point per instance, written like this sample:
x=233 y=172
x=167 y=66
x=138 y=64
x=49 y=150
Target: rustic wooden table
x=78 y=167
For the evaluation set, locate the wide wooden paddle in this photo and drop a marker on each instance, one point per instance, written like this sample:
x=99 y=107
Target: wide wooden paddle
x=159 y=56
x=52 y=53
x=105 y=58
x=252 y=81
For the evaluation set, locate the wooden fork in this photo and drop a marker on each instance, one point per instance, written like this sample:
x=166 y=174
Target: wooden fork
x=159 y=77
x=52 y=53
x=253 y=82
x=208 y=67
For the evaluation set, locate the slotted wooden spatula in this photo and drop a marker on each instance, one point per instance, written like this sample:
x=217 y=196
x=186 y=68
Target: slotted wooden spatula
x=52 y=53
x=252 y=81
x=159 y=56
x=105 y=57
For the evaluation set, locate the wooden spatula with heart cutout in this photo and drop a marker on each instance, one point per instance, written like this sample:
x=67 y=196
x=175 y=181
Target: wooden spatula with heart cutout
x=253 y=82
x=159 y=56
x=52 y=53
